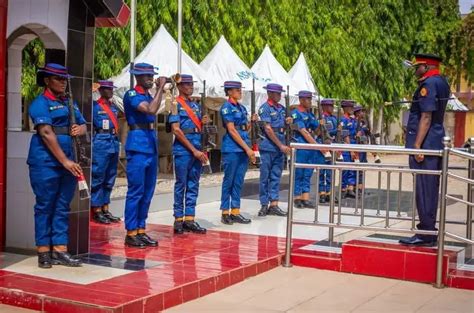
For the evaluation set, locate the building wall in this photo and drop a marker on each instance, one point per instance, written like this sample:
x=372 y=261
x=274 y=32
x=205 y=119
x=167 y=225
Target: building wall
x=3 y=56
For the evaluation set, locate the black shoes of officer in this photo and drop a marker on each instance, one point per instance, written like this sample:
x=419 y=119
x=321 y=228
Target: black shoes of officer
x=275 y=210
x=350 y=194
x=134 y=241
x=64 y=258
x=323 y=199
x=298 y=204
x=44 y=259
x=263 y=210
x=307 y=204
x=417 y=241
x=194 y=227
x=226 y=219
x=110 y=217
x=178 y=227
x=147 y=240
x=99 y=217
x=238 y=218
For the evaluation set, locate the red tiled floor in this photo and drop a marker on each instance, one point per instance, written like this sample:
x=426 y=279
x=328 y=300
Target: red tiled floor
x=191 y=266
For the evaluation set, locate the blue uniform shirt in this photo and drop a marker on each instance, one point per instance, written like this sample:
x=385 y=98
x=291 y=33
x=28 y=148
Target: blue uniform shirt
x=139 y=140
x=273 y=114
x=101 y=120
x=303 y=118
x=185 y=122
x=331 y=125
x=237 y=114
x=430 y=96
x=49 y=110
x=349 y=127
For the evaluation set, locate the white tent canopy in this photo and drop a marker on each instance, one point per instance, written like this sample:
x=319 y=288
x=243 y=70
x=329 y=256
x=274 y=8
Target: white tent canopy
x=267 y=69
x=161 y=51
x=221 y=64
x=301 y=75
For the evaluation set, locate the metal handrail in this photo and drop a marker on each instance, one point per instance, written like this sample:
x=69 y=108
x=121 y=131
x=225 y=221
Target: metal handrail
x=337 y=166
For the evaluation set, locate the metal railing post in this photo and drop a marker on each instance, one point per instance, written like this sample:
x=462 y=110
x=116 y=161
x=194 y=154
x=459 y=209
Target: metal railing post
x=332 y=201
x=289 y=222
x=442 y=212
x=470 y=191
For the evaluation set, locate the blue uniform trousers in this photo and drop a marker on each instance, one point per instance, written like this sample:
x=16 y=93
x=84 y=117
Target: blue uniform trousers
x=362 y=159
x=186 y=188
x=303 y=175
x=325 y=176
x=271 y=169
x=348 y=177
x=235 y=166
x=427 y=193
x=54 y=189
x=104 y=172
x=141 y=175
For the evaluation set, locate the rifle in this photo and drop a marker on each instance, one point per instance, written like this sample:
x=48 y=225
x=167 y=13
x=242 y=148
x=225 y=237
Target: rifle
x=79 y=151
x=208 y=133
x=326 y=138
x=372 y=137
x=339 y=131
x=255 y=127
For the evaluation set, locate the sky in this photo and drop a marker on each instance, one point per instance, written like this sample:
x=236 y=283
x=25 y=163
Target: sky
x=465 y=6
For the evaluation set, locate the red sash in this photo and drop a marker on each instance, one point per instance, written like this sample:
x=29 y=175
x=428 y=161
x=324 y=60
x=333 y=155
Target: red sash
x=190 y=113
x=109 y=112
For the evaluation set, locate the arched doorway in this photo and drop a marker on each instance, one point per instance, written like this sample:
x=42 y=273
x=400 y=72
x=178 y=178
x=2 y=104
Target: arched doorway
x=19 y=197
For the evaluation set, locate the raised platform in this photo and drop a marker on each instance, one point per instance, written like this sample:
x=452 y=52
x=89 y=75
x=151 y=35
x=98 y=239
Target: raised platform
x=181 y=269
x=381 y=255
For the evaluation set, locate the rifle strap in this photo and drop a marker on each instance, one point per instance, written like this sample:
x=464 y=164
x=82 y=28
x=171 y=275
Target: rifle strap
x=190 y=113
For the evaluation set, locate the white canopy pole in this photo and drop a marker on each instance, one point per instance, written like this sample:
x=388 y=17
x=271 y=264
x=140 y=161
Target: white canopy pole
x=132 y=38
x=180 y=32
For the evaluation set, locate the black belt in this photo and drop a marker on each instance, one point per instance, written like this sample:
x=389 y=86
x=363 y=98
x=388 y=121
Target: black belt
x=105 y=131
x=280 y=130
x=61 y=130
x=190 y=130
x=143 y=126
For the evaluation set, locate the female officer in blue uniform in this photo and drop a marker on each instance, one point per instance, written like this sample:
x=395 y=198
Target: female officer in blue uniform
x=188 y=157
x=425 y=130
x=236 y=152
x=53 y=173
x=105 y=153
x=142 y=153
x=349 y=129
x=331 y=126
x=307 y=124
x=272 y=151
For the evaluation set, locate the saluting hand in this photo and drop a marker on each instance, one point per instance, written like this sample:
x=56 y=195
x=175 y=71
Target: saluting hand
x=160 y=82
x=73 y=167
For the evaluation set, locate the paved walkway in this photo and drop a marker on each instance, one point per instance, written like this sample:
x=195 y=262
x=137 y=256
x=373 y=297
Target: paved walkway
x=301 y=289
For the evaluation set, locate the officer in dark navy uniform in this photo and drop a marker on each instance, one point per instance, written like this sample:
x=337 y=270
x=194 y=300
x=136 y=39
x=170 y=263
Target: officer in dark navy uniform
x=236 y=152
x=272 y=150
x=425 y=131
x=53 y=173
x=105 y=153
x=142 y=153
x=188 y=157
x=361 y=138
x=349 y=127
x=307 y=125
x=331 y=125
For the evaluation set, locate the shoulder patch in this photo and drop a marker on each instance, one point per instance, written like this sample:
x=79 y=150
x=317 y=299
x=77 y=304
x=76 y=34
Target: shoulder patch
x=132 y=93
x=294 y=115
x=423 y=92
x=225 y=111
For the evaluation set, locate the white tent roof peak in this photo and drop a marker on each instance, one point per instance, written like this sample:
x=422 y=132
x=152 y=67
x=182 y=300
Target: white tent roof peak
x=301 y=74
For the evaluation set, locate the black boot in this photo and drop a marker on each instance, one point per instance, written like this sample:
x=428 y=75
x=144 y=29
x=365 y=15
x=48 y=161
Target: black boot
x=64 y=258
x=193 y=227
x=263 y=210
x=350 y=194
x=275 y=210
x=323 y=199
x=147 y=240
x=226 y=219
x=297 y=204
x=113 y=219
x=44 y=259
x=100 y=218
x=134 y=241
x=238 y=218
x=307 y=204
x=178 y=227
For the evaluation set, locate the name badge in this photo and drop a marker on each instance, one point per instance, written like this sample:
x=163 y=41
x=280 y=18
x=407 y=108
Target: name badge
x=105 y=124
